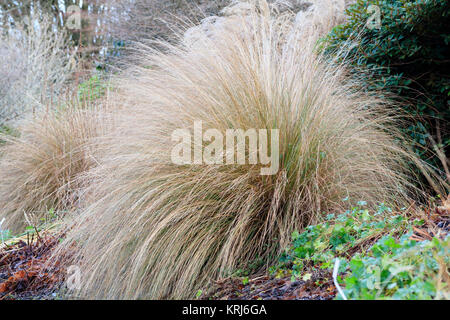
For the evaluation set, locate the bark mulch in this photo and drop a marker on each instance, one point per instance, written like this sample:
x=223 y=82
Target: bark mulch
x=319 y=287
x=25 y=272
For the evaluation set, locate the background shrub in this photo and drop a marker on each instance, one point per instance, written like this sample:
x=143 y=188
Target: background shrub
x=35 y=64
x=407 y=56
x=140 y=20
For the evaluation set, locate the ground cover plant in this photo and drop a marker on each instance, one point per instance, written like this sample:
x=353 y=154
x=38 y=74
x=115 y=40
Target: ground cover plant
x=382 y=255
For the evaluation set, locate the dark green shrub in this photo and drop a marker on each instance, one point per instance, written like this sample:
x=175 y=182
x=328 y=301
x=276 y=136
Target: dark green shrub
x=407 y=54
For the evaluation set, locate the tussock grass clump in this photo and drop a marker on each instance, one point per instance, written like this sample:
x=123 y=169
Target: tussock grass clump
x=154 y=229
x=40 y=166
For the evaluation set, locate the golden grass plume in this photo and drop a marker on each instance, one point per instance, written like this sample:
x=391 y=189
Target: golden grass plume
x=40 y=167
x=153 y=229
